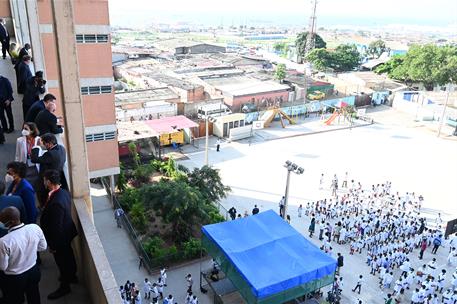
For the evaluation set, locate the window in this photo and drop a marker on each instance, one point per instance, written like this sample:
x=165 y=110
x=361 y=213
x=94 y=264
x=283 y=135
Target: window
x=105 y=89
x=231 y=125
x=100 y=136
x=85 y=90
x=241 y=123
x=236 y=124
x=102 y=38
x=92 y=38
x=96 y=90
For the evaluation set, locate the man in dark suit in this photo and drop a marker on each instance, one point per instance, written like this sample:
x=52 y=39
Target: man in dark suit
x=33 y=88
x=23 y=73
x=11 y=201
x=6 y=98
x=53 y=159
x=46 y=121
x=4 y=38
x=38 y=106
x=24 y=51
x=59 y=230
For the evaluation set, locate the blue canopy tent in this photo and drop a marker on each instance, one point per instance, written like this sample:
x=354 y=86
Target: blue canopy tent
x=266 y=259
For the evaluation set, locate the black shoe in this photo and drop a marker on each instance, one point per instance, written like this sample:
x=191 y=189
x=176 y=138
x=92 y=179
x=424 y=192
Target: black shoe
x=9 y=131
x=60 y=292
x=73 y=280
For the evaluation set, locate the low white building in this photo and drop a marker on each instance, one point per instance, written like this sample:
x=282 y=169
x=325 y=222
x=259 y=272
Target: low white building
x=146 y=104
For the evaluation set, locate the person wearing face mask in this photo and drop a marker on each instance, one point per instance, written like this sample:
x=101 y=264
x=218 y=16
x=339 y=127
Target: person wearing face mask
x=24 y=145
x=20 y=274
x=21 y=187
x=46 y=120
x=54 y=158
x=11 y=201
x=59 y=230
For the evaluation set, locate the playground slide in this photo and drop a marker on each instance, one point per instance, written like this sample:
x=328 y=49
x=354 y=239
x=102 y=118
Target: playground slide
x=268 y=117
x=331 y=118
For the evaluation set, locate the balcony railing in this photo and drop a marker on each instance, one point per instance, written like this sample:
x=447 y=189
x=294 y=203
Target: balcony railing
x=97 y=283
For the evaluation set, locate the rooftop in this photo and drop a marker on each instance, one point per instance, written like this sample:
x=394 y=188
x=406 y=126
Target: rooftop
x=243 y=85
x=172 y=81
x=173 y=43
x=158 y=94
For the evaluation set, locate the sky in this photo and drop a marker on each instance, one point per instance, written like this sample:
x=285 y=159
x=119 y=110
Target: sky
x=366 y=12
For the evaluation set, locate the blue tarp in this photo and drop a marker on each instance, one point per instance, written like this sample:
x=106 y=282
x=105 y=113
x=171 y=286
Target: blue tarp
x=269 y=253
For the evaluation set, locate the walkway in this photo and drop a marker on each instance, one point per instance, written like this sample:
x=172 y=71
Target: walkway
x=49 y=273
x=123 y=257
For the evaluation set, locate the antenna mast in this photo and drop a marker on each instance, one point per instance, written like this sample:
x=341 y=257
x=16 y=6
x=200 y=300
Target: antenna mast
x=311 y=38
x=310 y=43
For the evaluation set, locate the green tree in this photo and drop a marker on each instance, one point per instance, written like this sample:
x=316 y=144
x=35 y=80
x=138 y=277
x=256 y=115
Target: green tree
x=302 y=40
x=121 y=178
x=138 y=216
x=282 y=47
x=427 y=64
x=280 y=72
x=344 y=58
x=389 y=66
x=179 y=204
x=208 y=181
x=376 y=48
x=279 y=46
x=134 y=154
x=320 y=58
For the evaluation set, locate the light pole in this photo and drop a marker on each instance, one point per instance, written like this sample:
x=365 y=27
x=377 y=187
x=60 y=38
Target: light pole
x=444 y=109
x=291 y=167
x=211 y=119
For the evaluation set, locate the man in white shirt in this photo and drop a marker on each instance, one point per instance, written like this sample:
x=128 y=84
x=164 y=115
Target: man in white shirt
x=18 y=254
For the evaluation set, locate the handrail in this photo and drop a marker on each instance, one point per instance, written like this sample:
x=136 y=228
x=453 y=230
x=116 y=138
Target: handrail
x=131 y=231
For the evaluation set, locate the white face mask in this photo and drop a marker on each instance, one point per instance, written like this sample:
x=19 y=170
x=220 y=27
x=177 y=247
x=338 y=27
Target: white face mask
x=25 y=132
x=9 y=179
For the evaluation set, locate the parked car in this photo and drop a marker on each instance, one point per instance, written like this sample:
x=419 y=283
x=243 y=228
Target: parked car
x=316 y=95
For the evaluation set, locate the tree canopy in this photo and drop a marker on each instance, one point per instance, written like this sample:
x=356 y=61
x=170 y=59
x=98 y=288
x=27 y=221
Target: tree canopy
x=280 y=72
x=344 y=58
x=376 y=48
x=427 y=64
x=302 y=40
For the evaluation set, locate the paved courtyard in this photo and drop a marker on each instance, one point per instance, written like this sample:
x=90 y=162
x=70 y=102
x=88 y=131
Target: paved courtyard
x=412 y=158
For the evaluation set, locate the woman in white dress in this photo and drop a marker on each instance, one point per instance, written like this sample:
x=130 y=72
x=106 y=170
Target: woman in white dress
x=24 y=145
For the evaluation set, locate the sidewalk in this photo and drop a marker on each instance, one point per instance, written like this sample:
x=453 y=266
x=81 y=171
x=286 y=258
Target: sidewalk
x=123 y=257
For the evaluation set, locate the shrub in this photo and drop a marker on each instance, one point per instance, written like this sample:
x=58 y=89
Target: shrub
x=215 y=217
x=128 y=198
x=138 y=216
x=153 y=246
x=192 y=248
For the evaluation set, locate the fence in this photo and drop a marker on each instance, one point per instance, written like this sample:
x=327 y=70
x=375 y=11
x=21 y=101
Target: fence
x=125 y=222
x=151 y=264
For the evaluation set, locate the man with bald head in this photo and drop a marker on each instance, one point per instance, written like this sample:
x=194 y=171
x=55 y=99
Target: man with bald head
x=19 y=272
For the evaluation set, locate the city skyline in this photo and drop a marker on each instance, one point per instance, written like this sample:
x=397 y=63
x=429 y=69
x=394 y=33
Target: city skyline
x=438 y=13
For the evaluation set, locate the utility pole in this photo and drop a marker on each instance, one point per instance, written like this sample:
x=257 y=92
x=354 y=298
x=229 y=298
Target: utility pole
x=448 y=89
x=310 y=42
